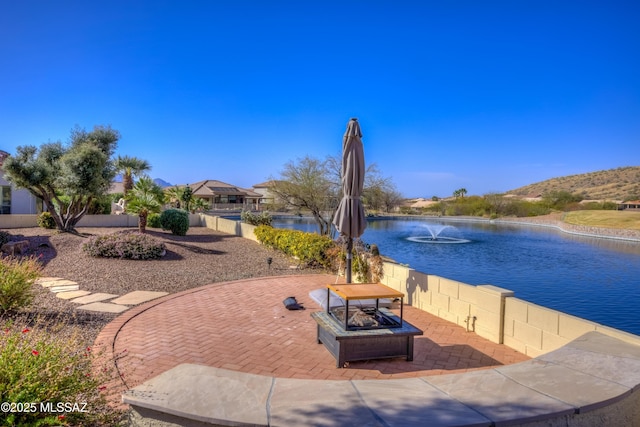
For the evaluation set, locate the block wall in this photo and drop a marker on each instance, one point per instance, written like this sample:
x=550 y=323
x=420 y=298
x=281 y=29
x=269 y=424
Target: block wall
x=493 y=313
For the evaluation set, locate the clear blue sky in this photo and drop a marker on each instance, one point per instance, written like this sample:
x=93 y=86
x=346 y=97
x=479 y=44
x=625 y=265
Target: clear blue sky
x=485 y=95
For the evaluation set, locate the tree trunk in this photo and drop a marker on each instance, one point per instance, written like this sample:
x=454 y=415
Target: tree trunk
x=127 y=182
x=142 y=222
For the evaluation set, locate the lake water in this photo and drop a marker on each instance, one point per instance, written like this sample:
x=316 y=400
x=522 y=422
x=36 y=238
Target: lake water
x=592 y=278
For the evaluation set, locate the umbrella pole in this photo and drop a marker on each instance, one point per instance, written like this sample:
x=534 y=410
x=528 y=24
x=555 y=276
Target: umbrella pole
x=349 y=258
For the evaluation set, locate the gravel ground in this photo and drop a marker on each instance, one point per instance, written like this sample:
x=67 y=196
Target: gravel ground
x=201 y=257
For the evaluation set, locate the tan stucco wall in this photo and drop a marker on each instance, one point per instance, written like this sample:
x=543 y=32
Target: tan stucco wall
x=493 y=313
x=26 y=221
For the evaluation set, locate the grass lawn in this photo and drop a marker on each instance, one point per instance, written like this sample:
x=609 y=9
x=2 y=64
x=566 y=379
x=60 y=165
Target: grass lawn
x=609 y=219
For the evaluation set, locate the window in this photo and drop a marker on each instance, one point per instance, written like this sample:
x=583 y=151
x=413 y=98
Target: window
x=5 y=200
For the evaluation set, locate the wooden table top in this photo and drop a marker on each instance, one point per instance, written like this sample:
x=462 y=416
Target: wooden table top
x=352 y=291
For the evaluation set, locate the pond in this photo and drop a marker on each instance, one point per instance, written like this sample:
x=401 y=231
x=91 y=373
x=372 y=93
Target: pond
x=593 y=278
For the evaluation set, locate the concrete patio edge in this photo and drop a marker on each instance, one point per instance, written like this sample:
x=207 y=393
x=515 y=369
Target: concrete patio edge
x=592 y=380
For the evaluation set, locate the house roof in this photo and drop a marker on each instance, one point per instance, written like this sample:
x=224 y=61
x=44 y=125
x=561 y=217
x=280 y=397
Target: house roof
x=211 y=187
x=3 y=156
x=266 y=184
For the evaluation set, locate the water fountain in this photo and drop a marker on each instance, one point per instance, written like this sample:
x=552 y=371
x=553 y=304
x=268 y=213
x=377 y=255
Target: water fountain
x=434 y=235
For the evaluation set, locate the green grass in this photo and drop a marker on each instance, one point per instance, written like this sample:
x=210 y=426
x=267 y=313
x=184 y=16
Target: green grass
x=610 y=219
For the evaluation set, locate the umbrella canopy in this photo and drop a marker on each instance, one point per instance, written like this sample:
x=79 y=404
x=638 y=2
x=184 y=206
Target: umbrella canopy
x=349 y=218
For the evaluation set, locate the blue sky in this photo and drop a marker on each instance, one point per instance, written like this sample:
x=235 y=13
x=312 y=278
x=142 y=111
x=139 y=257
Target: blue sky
x=483 y=95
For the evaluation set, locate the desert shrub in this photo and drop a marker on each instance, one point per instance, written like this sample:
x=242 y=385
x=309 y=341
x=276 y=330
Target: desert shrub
x=309 y=248
x=37 y=368
x=367 y=265
x=124 y=245
x=16 y=279
x=153 y=220
x=263 y=218
x=5 y=236
x=45 y=220
x=175 y=220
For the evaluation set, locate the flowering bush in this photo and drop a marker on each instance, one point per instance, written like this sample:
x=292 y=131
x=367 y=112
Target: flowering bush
x=16 y=279
x=125 y=245
x=310 y=248
x=49 y=381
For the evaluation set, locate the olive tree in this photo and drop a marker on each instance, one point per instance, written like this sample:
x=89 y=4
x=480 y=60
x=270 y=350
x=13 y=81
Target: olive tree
x=66 y=177
x=316 y=186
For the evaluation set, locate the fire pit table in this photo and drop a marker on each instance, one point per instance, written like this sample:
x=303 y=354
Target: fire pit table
x=355 y=332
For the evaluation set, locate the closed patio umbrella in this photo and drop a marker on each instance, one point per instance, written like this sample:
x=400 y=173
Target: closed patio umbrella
x=349 y=218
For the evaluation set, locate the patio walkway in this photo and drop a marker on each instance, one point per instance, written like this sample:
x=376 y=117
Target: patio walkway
x=244 y=326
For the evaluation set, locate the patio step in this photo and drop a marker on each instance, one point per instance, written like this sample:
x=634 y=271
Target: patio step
x=593 y=380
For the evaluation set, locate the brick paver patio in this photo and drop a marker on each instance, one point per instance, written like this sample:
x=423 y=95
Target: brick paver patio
x=244 y=326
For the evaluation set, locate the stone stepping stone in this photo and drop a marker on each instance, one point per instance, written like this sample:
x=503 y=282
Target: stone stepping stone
x=103 y=307
x=72 y=294
x=64 y=288
x=55 y=283
x=138 y=297
x=47 y=280
x=93 y=298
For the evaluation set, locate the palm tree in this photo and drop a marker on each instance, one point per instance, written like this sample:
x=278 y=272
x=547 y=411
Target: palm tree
x=173 y=196
x=198 y=204
x=130 y=166
x=144 y=198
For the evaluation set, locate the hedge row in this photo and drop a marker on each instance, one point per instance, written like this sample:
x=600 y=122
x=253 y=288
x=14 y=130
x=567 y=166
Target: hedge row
x=309 y=248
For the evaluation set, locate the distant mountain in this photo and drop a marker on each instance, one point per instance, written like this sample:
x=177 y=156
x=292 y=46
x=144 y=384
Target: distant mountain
x=613 y=184
x=162 y=183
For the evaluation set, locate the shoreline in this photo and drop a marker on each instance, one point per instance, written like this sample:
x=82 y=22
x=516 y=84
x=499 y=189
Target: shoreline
x=553 y=221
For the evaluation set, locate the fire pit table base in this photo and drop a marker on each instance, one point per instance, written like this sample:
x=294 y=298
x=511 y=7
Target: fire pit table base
x=349 y=346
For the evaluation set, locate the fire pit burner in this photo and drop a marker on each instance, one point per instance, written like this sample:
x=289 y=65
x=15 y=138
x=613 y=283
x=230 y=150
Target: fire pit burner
x=364 y=318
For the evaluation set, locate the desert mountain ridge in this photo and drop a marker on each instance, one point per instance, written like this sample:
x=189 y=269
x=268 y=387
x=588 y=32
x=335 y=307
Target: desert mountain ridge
x=618 y=184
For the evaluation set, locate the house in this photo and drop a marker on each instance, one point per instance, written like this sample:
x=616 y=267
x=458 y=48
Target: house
x=221 y=195
x=631 y=204
x=14 y=200
x=268 y=197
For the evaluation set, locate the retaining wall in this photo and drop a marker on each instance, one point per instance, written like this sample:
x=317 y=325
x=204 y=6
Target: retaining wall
x=229 y=226
x=493 y=313
x=26 y=221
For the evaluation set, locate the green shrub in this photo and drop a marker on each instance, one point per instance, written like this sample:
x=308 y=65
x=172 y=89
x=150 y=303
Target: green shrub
x=130 y=245
x=153 y=220
x=309 y=248
x=5 y=236
x=263 y=218
x=37 y=368
x=175 y=220
x=16 y=279
x=100 y=206
x=45 y=220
